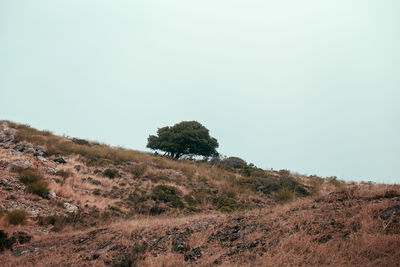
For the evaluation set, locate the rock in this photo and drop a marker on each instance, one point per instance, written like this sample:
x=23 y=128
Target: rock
x=61 y=160
x=52 y=194
x=42 y=159
x=193 y=255
x=180 y=243
x=12 y=184
x=14 y=166
x=50 y=170
x=70 y=208
x=22 y=237
x=102 y=250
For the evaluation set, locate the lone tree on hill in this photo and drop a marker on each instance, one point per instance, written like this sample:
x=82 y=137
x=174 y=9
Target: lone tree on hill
x=184 y=138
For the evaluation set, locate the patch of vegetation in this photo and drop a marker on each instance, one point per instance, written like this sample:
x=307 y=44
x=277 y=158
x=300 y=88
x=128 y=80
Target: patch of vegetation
x=17 y=217
x=190 y=200
x=113 y=208
x=192 y=209
x=64 y=173
x=34 y=182
x=157 y=210
x=284 y=195
x=273 y=184
x=97 y=192
x=96 y=154
x=82 y=142
x=157 y=177
x=111 y=173
x=168 y=194
x=138 y=169
x=225 y=203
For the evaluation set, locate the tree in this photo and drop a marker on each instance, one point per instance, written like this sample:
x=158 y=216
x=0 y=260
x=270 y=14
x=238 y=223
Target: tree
x=184 y=138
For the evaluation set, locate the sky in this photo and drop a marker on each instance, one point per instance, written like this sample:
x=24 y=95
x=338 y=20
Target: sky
x=311 y=86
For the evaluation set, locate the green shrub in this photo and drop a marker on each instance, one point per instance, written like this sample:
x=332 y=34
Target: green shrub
x=111 y=173
x=190 y=200
x=156 y=210
x=34 y=182
x=17 y=217
x=39 y=188
x=138 y=169
x=168 y=194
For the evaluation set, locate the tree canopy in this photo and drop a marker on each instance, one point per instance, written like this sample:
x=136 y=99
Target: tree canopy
x=184 y=138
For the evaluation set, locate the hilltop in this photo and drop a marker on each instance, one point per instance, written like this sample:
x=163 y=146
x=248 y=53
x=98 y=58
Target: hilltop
x=69 y=201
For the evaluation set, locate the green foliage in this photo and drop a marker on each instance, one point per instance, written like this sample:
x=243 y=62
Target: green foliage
x=34 y=182
x=190 y=200
x=111 y=173
x=17 y=217
x=168 y=194
x=184 y=138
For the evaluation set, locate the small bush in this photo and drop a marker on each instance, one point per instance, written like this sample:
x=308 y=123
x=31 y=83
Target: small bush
x=190 y=200
x=64 y=173
x=111 y=173
x=17 y=217
x=82 y=142
x=34 y=182
x=156 y=210
x=138 y=169
x=225 y=203
x=39 y=188
x=284 y=195
x=168 y=194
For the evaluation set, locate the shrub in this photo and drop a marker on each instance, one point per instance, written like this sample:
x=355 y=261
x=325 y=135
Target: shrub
x=156 y=210
x=190 y=200
x=17 y=217
x=138 y=169
x=34 y=182
x=39 y=188
x=284 y=195
x=168 y=194
x=111 y=173
x=64 y=173
x=225 y=203
x=234 y=162
x=80 y=142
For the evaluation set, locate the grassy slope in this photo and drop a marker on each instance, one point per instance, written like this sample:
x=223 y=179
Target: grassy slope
x=159 y=211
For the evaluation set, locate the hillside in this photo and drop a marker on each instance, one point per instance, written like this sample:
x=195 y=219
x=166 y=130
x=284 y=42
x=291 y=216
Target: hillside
x=69 y=201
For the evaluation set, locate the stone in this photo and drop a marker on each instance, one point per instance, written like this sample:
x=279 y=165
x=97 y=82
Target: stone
x=15 y=165
x=50 y=170
x=52 y=195
x=61 y=160
x=70 y=208
x=42 y=159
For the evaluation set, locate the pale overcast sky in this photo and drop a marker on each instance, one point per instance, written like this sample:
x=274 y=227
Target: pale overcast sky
x=309 y=86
